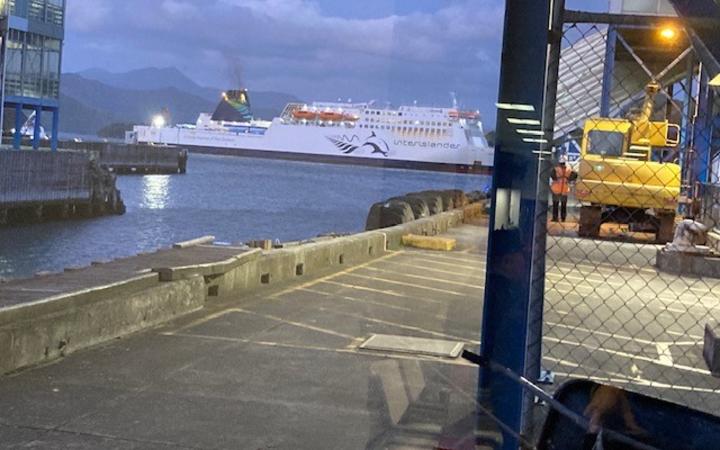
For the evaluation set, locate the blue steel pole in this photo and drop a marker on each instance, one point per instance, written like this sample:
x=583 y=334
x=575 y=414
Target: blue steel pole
x=703 y=130
x=514 y=201
x=55 y=129
x=608 y=71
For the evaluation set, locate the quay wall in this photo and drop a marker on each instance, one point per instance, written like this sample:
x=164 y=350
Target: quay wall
x=39 y=185
x=43 y=331
x=129 y=159
x=40 y=332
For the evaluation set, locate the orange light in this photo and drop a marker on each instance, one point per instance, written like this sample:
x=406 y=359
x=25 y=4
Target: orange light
x=668 y=33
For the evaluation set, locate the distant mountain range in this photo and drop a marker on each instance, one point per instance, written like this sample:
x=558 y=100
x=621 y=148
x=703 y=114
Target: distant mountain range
x=94 y=99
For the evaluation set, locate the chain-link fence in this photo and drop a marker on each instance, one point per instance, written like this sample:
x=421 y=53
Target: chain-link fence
x=634 y=152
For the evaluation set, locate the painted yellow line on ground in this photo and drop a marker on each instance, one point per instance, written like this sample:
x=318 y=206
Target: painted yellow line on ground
x=381 y=304
x=450 y=257
x=400 y=283
x=296 y=324
x=203 y=320
x=384 y=292
x=334 y=275
x=346 y=350
x=479 y=272
x=467 y=268
x=357 y=300
x=437 y=280
x=403 y=326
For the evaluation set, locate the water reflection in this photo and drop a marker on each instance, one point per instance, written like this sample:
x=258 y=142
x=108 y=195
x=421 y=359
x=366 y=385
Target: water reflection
x=234 y=199
x=156 y=191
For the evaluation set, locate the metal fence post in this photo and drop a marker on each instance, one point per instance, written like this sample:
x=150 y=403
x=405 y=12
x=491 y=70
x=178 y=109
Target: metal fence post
x=514 y=202
x=533 y=359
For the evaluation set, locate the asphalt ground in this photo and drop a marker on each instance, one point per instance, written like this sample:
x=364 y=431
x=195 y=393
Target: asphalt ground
x=278 y=369
x=281 y=368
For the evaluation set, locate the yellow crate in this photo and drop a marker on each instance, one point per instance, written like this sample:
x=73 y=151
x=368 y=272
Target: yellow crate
x=429 y=242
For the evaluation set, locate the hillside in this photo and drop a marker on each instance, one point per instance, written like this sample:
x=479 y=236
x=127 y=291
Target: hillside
x=95 y=98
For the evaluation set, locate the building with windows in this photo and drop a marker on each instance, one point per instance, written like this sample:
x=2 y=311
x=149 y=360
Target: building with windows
x=32 y=37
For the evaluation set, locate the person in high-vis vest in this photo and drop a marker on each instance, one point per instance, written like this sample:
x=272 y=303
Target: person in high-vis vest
x=562 y=175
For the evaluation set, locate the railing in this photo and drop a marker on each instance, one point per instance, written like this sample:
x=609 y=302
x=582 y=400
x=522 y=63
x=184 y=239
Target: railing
x=32 y=177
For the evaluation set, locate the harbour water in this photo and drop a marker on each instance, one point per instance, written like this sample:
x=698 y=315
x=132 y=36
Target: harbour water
x=234 y=199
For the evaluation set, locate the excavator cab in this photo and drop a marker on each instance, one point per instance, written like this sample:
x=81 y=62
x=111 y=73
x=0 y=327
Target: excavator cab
x=619 y=178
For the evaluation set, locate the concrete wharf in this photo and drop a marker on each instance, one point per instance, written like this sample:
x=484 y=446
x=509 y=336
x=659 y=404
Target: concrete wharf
x=279 y=363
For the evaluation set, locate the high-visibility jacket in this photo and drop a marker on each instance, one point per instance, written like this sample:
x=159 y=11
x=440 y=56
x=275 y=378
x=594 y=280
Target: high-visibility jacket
x=561 y=181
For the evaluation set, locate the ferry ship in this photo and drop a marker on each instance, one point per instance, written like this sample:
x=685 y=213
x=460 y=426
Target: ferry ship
x=413 y=137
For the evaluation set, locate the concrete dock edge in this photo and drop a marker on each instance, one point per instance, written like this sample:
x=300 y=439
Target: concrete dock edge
x=42 y=331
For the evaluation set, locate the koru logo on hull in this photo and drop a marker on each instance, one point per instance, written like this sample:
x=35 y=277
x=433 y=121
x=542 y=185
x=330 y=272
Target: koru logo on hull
x=351 y=144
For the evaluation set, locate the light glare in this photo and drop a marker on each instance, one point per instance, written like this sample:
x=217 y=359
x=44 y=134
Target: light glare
x=515 y=107
x=515 y=121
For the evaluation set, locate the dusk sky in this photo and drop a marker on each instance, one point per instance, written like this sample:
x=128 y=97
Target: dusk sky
x=387 y=50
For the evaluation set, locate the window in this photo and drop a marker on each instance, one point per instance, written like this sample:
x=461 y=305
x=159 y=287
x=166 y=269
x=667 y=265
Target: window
x=606 y=143
x=54 y=12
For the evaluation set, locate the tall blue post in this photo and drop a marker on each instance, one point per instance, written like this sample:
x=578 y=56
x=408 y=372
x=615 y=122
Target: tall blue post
x=36 y=128
x=703 y=132
x=514 y=233
x=55 y=129
x=17 y=139
x=608 y=71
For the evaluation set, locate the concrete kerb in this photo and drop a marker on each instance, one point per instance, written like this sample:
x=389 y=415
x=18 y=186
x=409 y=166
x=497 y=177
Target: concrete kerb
x=206 y=270
x=39 y=332
x=317 y=258
x=43 y=331
x=195 y=242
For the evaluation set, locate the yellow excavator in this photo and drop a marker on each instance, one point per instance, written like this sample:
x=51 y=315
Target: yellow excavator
x=622 y=178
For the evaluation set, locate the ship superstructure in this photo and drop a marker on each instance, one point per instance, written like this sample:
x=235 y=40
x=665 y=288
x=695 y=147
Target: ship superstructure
x=336 y=132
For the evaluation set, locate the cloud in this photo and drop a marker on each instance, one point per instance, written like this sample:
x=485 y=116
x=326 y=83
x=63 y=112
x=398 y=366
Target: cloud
x=295 y=46
x=87 y=15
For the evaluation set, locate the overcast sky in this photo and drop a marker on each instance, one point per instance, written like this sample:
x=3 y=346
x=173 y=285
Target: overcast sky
x=388 y=50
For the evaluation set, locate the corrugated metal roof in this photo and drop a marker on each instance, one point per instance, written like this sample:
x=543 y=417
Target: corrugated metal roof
x=580 y=83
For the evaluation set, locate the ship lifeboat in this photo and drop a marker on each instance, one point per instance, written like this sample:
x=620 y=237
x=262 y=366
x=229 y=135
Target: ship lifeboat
x=350 y=118
x=330 y=116
x=470 y=115
x=303 y=114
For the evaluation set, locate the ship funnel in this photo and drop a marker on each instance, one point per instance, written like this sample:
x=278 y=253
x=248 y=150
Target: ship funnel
x=234 y=106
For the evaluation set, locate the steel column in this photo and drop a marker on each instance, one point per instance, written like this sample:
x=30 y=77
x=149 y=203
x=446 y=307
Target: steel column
x=513 y=218
x=703 y=133
x=608 y=71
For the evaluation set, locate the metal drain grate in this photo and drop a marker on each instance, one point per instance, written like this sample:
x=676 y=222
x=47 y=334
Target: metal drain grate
x=413 y=345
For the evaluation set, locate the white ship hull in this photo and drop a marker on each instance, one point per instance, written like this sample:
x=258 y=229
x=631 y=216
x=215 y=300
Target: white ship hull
x=448 y=145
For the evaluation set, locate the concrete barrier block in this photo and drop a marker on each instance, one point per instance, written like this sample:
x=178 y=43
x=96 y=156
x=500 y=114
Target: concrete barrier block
x=711 y=347
x=700 y=265
x=429 y=242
